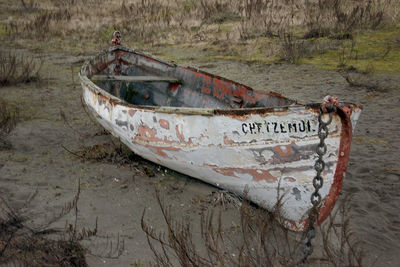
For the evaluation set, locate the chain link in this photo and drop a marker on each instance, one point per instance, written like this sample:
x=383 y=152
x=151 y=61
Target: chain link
x=327 y=107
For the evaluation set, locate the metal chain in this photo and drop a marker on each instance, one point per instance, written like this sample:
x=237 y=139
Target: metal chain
x=327 y=106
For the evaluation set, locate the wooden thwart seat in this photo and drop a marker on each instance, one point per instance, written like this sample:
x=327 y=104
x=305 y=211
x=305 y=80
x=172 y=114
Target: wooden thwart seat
x=135 y=78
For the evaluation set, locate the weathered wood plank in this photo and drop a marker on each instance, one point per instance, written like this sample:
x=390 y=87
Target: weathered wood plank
x=135 y=78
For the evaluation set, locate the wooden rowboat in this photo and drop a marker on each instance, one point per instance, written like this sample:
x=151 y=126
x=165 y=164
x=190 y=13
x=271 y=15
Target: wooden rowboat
x=220 y=131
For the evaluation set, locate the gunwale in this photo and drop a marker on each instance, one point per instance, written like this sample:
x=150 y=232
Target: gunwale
x=195 y=110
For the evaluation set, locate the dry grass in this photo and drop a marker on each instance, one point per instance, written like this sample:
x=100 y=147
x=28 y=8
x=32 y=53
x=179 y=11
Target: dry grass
x=160 y=21
x=107 y=152
x=292 y=50
x=340 y=246
x=339 y=18
x=258 y=240
x=295 y=30
x=22 y=244
x=18 y=68
x=9 y=117
x=113 y=152
x=290 y=31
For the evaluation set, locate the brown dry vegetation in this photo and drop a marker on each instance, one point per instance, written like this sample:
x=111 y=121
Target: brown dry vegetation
x=18 y=68
x=24 y=244
x=9 y=116
x=259 y=240
x=292 y=25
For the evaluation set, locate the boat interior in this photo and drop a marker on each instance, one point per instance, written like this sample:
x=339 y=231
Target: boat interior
x=158 y=84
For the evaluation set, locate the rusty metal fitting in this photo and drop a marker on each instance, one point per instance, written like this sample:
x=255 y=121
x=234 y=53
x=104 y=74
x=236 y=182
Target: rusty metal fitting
x=116 y=40
x=329 y=104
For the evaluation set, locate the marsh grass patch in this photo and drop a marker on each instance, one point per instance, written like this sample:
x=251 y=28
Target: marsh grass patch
x=258 y=239
x=86 y=25
x=24 y=244
x=9 y=116
x=18 y=68
x=292 y=49
x=107 y=152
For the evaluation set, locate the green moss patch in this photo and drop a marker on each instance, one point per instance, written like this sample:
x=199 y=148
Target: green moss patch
x=3 y=31
x=257 y=51
x=369 y=51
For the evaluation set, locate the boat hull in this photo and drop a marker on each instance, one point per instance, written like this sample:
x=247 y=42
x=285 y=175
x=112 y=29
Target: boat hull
x=268 y=154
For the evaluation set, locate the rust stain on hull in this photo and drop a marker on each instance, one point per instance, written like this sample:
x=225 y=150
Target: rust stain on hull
x=164 y=124
x=257 y=174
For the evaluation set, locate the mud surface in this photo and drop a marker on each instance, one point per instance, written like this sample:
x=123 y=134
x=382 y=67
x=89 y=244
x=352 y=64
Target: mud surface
x=53 y=122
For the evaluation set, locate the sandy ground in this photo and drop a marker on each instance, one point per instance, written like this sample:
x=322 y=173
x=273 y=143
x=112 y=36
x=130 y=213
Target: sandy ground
x=118 y=193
